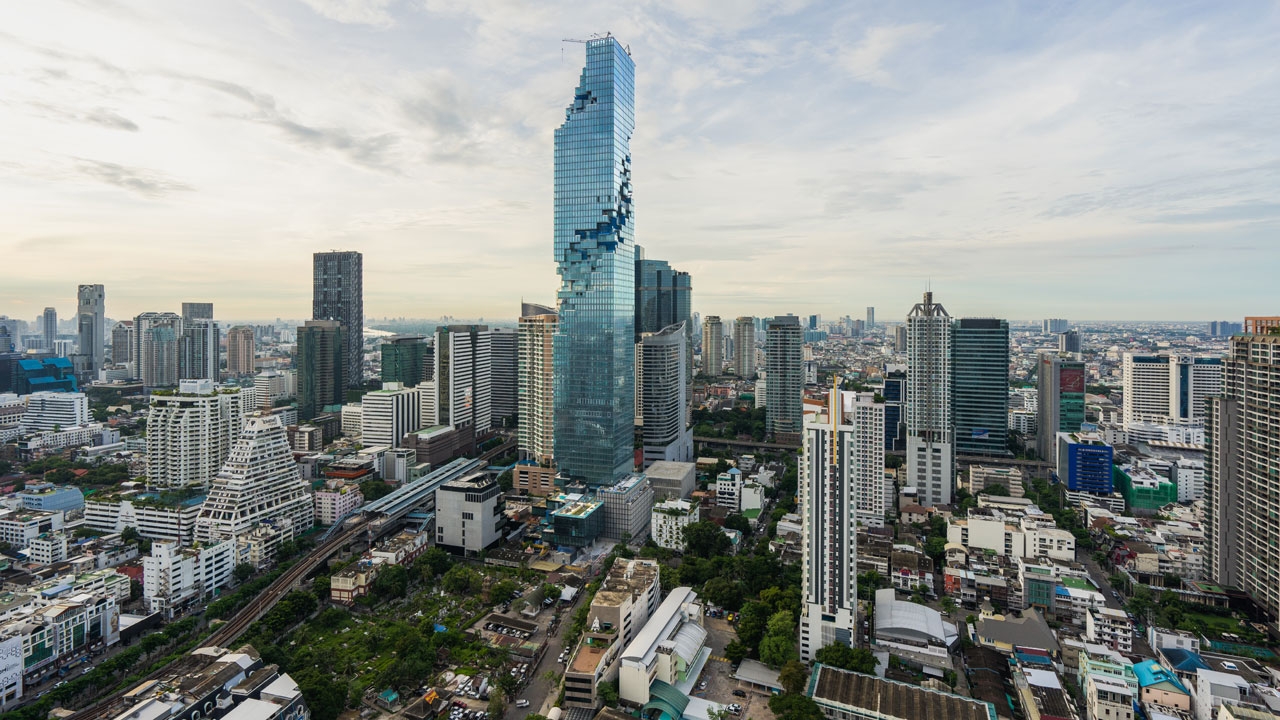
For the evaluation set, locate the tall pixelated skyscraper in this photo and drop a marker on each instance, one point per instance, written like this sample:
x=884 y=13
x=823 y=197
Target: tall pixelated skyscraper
x=595 y=259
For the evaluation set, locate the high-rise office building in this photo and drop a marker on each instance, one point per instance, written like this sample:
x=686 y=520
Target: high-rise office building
x=900 y=338
x=712 y=346
x=463 y=389
x=49 y=329
x=91 y=327
x=197 y=311
x=504 y=370
x=895 y=396
x=1069 y=342
x=240 y=351
x=337 y=293
x=1168 y=388
x=664 y=296
x=198 y=349
x=1053 y=326
x=122 y=342
x=1060 y=396
x=980 y=360
x=841 y=486
x=537 y=330
x=407 y=359
x=322 y=367
x=156 y=352
x=1242 y=471
x=784 y=364
x=389 y=414
x=931 y=465
x=871 y=317
x=258 y=482
x=595 y=259
x=744 y=347
x=190 y=432
x=662 y=384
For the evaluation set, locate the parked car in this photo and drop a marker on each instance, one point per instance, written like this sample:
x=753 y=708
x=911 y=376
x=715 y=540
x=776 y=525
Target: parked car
x=739 y=693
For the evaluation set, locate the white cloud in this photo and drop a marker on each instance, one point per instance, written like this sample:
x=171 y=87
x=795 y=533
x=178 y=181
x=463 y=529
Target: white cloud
x=354 y=12
x=791 y=157
x=865 y=61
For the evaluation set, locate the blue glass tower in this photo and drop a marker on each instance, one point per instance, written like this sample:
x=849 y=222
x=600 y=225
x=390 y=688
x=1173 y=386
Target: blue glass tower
x=594 y=354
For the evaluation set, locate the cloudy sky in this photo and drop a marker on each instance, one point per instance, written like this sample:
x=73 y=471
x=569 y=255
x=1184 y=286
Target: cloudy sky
x=1086 y=160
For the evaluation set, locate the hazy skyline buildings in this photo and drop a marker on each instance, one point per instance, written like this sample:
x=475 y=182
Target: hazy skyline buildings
x=595 y=259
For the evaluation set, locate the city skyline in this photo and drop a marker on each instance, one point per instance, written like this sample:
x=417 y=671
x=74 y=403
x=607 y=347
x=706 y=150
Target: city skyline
x=1142 y=122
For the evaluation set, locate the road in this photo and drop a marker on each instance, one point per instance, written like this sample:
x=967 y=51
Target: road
x=1101 y=579
x=540 y=693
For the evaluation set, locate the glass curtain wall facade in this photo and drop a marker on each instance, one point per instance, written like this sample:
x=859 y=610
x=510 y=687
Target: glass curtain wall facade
x=595 y=259
x=337 y=293
x=981 y=364
x=664 y=297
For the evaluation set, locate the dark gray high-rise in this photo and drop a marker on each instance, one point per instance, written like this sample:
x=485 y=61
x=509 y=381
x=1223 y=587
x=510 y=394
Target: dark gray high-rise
x=784 y=381
x=980 y=357
x=338 y=294
x=664 y=296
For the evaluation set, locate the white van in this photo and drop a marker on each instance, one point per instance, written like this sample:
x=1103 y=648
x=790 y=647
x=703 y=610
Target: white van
x=522 y=703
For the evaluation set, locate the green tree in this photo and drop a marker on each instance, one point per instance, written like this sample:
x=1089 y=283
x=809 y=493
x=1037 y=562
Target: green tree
x=135 y=590
x=791 y=706
x=948 y=605
x=793 y=677
x=392 y=582
x=505 y=480
x=847 y=658
x=705 y=539
x=152 y=642
x=723 y=592
x=243 y=572
x=739 y=523
x=496 y=707
x=320 y=587
x=461 y=580
x=129 y=535
x=433 y=562
x=608 y=692
x=502 y=591
x=752 y=622
x=779 y=643
x=374 y=490
x=735 y=652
